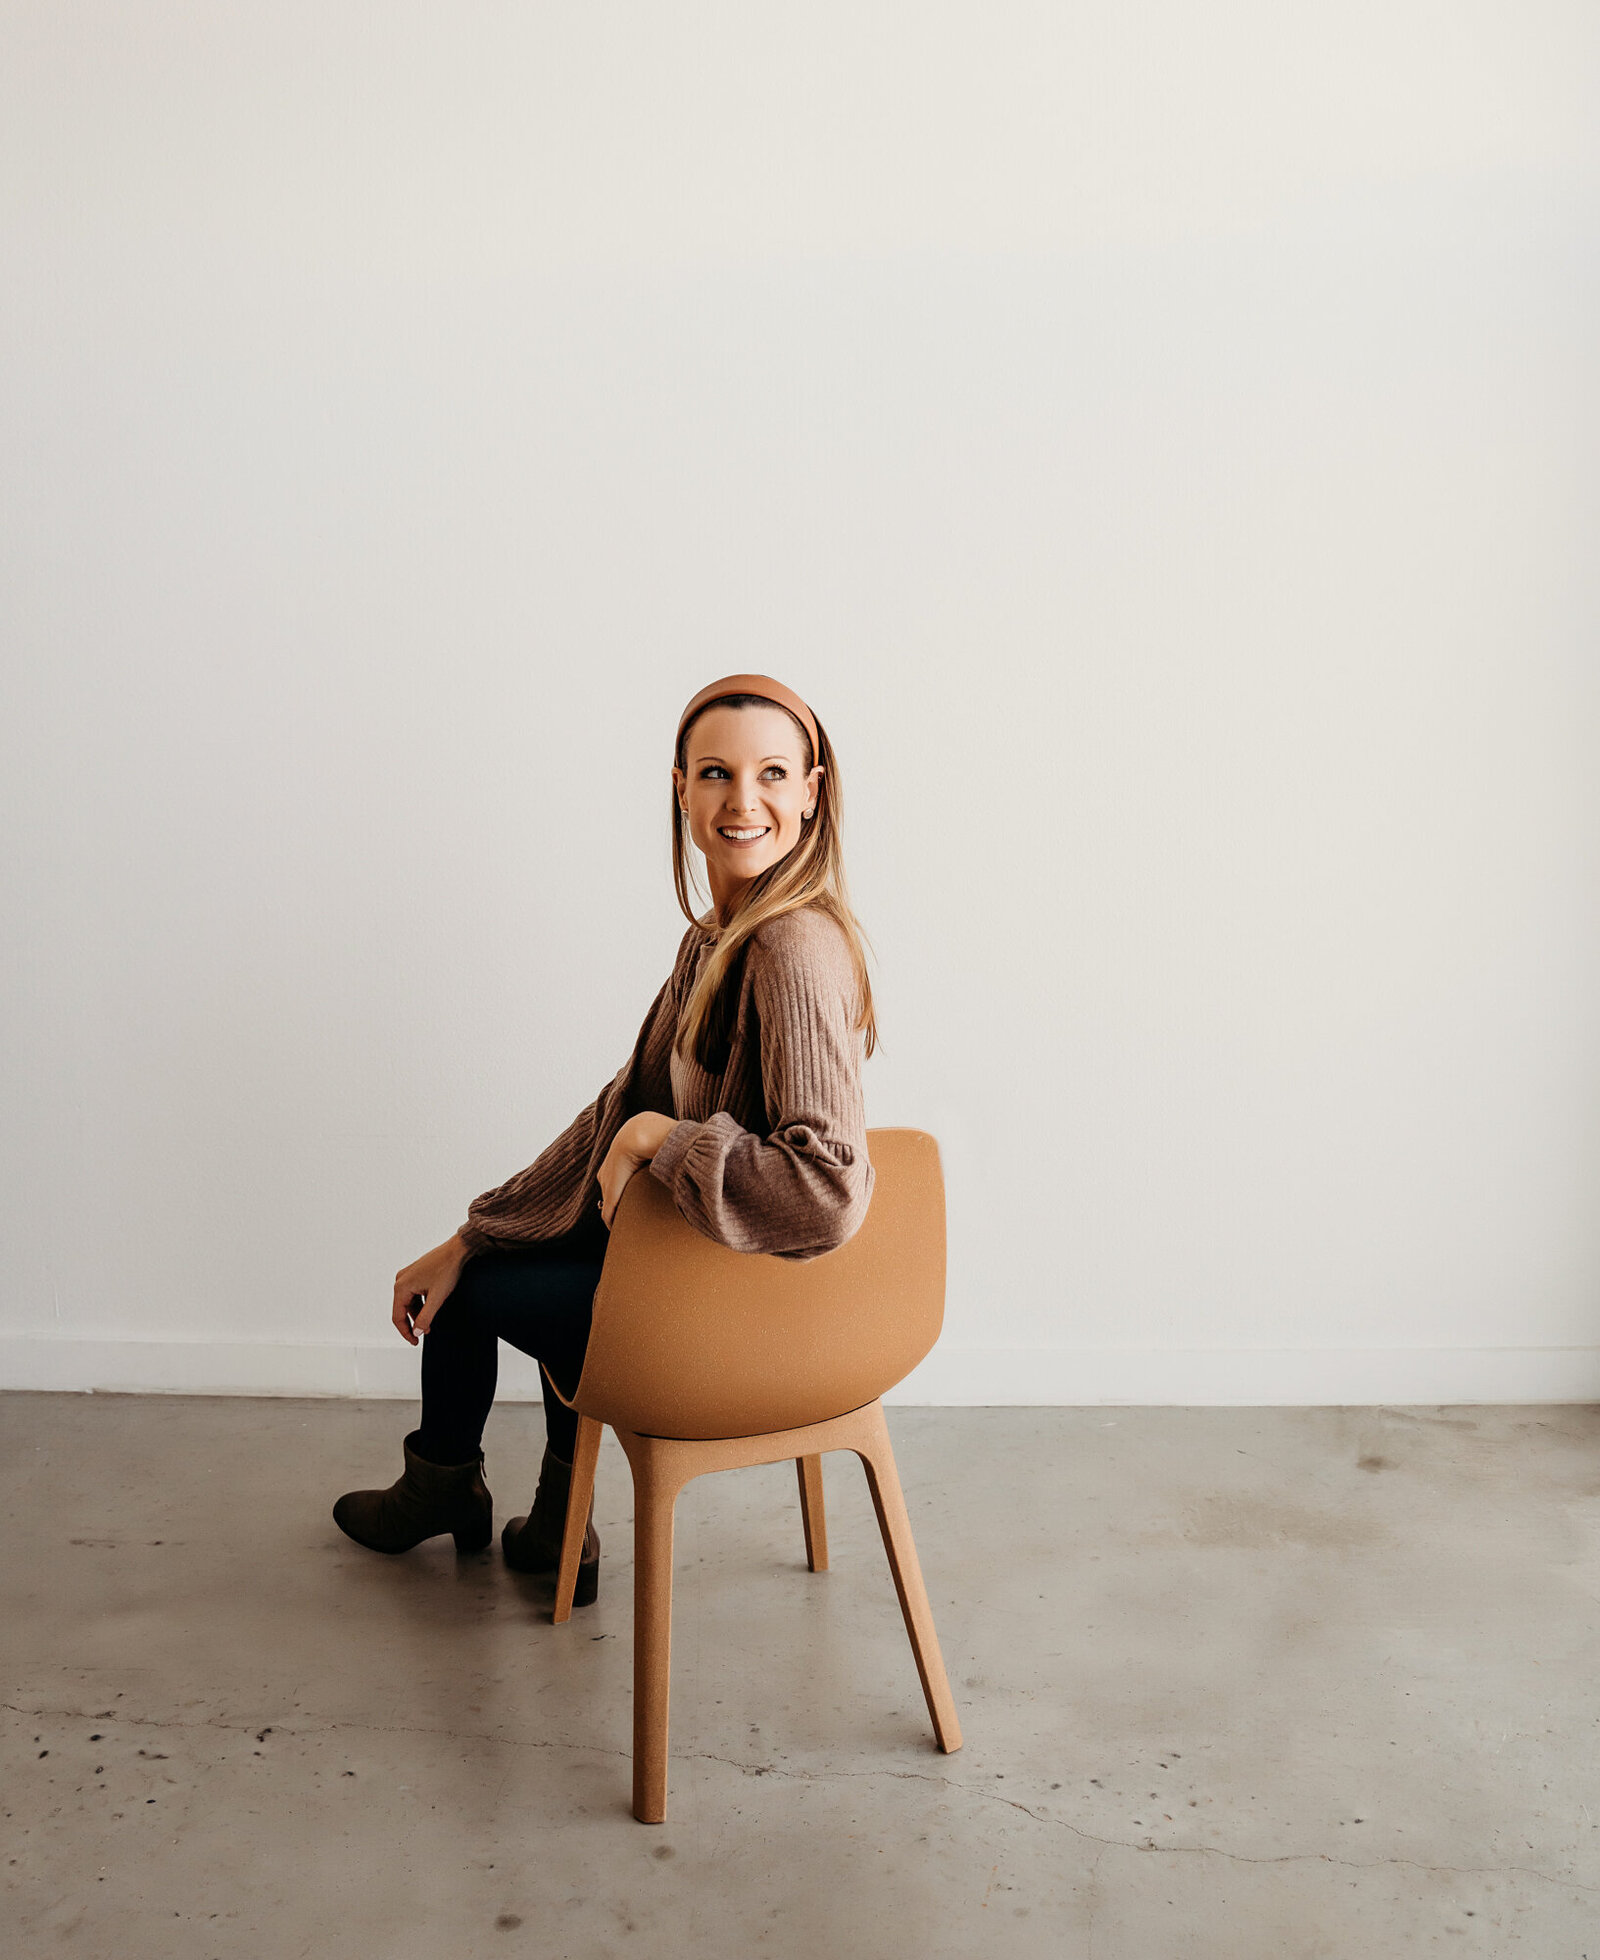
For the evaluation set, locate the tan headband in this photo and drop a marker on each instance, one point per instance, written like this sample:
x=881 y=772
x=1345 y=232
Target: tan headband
x=767 y=688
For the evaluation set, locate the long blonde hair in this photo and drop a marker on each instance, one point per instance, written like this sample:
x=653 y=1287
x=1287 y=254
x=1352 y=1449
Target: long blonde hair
x=811 y=873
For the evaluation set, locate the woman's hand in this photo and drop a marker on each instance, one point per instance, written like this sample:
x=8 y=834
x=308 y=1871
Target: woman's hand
x=632 y=1147
x=430 y=1279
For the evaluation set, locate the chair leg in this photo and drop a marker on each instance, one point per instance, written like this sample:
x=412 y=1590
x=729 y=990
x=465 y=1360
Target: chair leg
x=888 y=1501
x=655 y=1491
x=584 y=1459
x=812 y=1515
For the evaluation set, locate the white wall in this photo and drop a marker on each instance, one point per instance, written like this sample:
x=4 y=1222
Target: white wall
x=1159 y=441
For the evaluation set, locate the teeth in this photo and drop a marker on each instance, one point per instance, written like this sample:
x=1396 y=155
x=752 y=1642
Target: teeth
x=743 y=833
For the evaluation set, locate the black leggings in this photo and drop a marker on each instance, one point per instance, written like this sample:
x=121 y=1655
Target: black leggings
x=538 y=1297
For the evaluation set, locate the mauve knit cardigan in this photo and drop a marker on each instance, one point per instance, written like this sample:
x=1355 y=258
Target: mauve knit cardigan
x=768 y=1156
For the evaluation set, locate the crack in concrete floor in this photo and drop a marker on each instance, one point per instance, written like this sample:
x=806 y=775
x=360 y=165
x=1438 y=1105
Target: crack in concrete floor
x=281 y=1727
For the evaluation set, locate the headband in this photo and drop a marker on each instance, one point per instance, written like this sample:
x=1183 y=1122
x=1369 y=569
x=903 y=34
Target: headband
x=767 y=688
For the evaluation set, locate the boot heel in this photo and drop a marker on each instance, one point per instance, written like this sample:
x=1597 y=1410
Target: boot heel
x=474 y=1539
x=585 y=1592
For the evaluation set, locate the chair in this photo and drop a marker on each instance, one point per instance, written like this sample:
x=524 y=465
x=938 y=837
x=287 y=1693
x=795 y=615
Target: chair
x=702 y=1358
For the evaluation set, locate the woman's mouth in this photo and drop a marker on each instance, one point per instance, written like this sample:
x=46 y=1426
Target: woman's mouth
x=742 y=836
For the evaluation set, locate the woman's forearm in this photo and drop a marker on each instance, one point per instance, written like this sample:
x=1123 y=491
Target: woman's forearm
x=650 y=1130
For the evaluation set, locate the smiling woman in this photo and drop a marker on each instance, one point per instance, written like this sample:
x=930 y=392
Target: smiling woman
x=742 y=1097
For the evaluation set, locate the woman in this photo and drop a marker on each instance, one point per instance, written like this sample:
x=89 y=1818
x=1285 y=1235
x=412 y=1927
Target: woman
x=742 y=1096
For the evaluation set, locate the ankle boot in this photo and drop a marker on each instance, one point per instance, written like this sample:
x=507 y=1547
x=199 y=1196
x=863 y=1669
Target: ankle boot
x=428 y=1499
x=533 y=1543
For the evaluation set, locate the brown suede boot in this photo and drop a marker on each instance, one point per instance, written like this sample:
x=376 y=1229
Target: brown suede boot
x=428 y=1499
x=533 y=1543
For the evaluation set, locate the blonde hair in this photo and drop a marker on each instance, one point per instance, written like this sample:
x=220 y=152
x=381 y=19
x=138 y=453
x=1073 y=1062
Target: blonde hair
x=810 y=874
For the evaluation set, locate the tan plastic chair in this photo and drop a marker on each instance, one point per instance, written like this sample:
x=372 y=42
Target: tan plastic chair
x=701 y=1358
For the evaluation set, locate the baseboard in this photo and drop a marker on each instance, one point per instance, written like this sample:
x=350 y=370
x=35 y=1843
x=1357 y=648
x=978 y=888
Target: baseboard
x=951 y=1377
x=1250 y=1377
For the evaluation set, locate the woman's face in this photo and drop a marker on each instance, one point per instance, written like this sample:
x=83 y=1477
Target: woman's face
x=744 y=774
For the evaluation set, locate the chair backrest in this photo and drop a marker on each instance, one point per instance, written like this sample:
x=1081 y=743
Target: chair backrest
x=691 y=1339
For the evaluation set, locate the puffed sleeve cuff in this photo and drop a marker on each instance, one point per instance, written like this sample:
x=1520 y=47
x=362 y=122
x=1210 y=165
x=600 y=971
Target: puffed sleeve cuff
x=473 y=1238
x=672 y=1151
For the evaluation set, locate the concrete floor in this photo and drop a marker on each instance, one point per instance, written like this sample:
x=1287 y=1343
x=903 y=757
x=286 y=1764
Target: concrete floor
x=1235 y=1683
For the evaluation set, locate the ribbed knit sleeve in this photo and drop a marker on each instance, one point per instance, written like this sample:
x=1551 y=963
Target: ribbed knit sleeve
x=549 y=1198
x=802 y=1189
